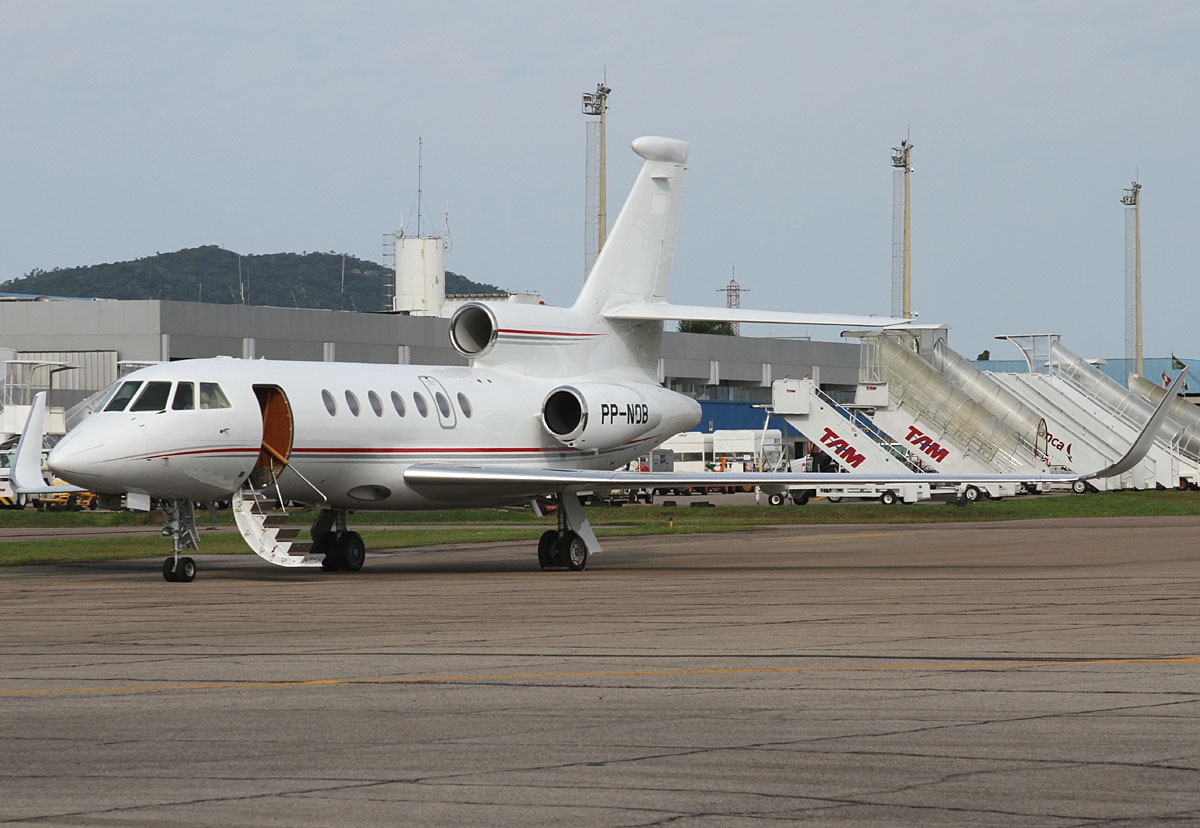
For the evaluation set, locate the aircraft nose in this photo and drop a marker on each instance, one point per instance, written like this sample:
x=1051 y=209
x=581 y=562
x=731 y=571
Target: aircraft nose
x=76 y=458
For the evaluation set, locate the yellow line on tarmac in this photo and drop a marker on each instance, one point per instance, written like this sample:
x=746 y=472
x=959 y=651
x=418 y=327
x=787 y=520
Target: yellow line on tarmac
x=718 y=671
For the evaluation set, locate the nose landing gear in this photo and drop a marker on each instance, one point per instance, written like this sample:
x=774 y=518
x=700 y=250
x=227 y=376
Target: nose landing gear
x=181 y=529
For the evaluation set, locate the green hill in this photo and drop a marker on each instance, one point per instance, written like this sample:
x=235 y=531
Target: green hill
x=210 y=274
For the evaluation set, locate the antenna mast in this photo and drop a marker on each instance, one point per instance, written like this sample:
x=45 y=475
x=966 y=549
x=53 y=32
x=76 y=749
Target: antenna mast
x=733 y=298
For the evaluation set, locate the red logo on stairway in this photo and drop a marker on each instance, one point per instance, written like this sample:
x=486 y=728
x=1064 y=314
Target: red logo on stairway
x=841 y=448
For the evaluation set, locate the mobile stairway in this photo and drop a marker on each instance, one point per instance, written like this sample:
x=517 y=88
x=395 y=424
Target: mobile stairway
x=853 y=441
x=1065 y=440
x=947 y=429
x=1061 y=380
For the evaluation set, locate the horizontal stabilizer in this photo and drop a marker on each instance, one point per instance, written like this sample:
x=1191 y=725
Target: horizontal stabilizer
x=665 y=311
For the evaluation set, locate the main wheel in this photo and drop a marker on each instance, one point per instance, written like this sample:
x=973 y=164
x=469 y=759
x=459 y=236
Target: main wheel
x=572 y=548
x=546 y=548
x=352 y=551
x=888 y=498
x=169 y=569
x=327 y=545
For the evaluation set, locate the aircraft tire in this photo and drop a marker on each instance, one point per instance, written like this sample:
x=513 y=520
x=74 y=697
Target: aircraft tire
x=573 y=550
x=546 y=544
x=186 y=571
x=352 y=552
x=169 y=569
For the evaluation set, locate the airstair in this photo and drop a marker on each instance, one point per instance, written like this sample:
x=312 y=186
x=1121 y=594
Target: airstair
x=267 y=532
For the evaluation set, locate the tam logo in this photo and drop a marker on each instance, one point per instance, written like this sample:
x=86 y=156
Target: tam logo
x=926 y=445
x=841 y=448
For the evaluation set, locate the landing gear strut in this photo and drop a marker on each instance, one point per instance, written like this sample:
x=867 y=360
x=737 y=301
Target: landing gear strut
x=181 y=528
x=567 y=547
x=344 y=550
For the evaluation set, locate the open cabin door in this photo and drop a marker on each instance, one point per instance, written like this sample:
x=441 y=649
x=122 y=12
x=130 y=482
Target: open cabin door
x=277 y=435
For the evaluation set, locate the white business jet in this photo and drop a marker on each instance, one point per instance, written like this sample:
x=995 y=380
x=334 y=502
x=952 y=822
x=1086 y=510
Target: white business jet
x=553 y=401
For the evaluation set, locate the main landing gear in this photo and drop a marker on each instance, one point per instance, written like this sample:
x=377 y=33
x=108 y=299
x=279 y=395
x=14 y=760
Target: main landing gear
x=181 y=529
x=344 y=550
x=567 y=546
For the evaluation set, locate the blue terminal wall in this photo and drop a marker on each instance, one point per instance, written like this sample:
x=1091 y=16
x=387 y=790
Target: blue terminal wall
x=719 y=415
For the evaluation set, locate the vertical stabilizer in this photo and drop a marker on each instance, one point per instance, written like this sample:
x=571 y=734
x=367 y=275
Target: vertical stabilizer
x=635 y=264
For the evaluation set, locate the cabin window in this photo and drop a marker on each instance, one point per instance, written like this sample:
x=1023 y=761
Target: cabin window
x=398 y=403
x=464 y=404
x=330 y=402
x=376 y=403
x=443 y=404
x=123 y=396
x=185 y=397
x=352 y=403
x=153 y=397
x=211 y=396
x=422 y=406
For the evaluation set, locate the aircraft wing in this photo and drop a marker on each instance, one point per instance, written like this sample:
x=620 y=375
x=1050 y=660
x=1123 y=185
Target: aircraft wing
x=489 y=481
x=493 y=481
x=25 y=476
x=666 y=311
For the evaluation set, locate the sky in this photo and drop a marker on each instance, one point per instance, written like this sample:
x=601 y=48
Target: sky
x=129 y=128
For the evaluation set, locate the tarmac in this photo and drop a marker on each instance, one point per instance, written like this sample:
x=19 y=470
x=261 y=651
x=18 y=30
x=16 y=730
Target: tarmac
x=1040 y=673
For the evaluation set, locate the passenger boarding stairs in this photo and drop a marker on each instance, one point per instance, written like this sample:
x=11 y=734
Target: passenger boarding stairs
x=950 y=432
x=849 y=437
x=264 y=526
x=1070 y=441
x=1113 y=412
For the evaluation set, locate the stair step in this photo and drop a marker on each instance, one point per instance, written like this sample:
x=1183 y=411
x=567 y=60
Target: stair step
x=300 y=548
x=288 y=533
x=273 y=519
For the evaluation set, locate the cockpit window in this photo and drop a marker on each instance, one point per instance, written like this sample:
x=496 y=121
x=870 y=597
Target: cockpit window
x=123 y=396
x=211 y=396
x=185 y=397
x=153 y=397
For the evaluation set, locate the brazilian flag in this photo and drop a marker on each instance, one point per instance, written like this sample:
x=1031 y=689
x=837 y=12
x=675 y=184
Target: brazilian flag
x=1176 y=363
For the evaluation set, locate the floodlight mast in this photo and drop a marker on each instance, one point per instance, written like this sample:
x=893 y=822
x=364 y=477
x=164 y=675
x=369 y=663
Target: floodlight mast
x=1133 y=276
x=901 y=161
x=596 y=103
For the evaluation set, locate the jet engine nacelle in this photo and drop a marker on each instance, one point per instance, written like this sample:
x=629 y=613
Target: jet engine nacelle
x=602 y=415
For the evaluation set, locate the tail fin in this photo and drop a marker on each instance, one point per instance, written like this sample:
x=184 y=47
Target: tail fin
x=634 y=266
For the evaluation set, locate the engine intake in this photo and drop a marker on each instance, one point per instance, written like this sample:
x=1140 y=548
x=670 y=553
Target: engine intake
x=599 y=416
x=473 y=330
